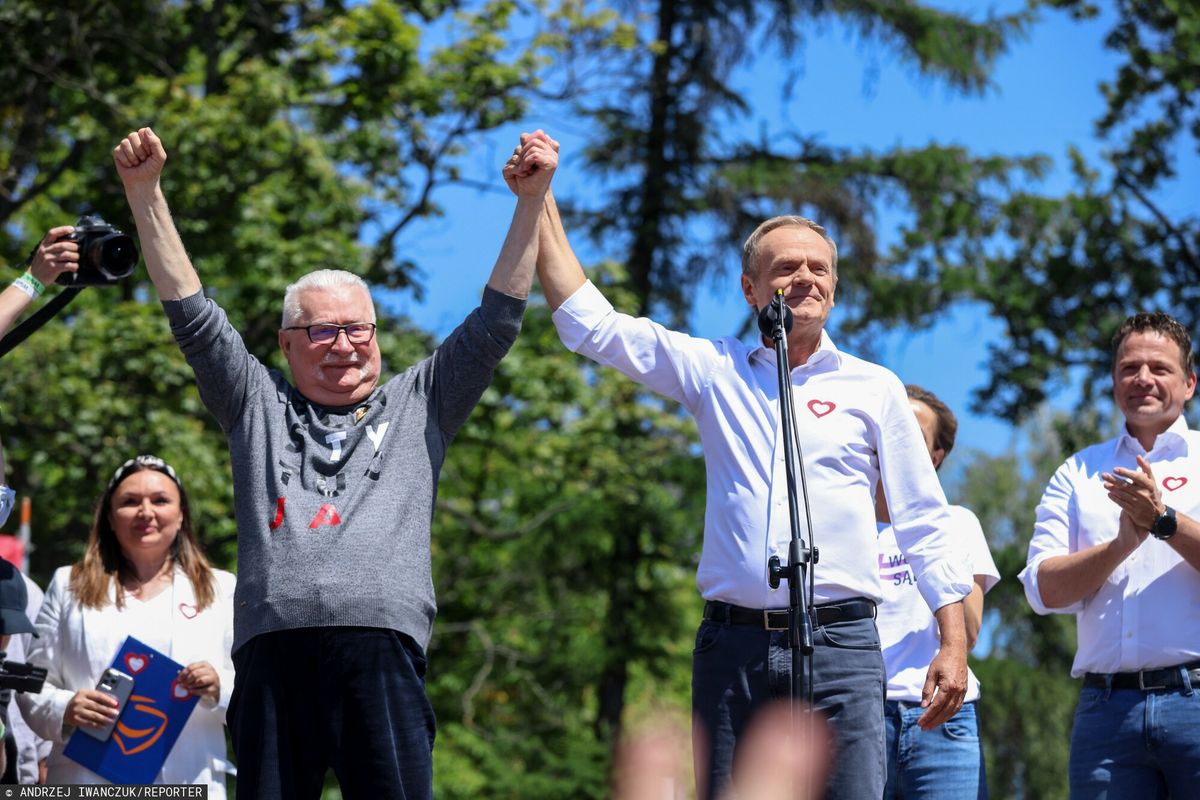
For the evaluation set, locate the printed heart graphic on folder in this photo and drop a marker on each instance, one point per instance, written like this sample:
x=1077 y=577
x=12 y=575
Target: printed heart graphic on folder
x=1171 y=484
x=820 y=408
x=136 y=662
x=179 y=692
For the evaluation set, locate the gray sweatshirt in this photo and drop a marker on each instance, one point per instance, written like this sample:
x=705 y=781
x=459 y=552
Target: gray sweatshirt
x=334 y=505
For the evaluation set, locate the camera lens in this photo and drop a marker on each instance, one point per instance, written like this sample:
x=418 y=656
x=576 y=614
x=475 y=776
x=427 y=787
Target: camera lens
x=118 y=256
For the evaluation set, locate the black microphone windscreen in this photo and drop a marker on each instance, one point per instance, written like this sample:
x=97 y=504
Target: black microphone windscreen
x=768 y=318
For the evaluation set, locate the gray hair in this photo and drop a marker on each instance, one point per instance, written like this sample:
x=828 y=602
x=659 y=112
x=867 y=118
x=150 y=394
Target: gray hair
x=751 y=247
x=320 y=279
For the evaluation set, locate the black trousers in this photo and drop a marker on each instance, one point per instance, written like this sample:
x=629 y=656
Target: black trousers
x=351 y=699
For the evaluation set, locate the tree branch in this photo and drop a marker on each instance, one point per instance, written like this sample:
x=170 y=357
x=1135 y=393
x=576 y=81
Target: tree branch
x=1165 y=221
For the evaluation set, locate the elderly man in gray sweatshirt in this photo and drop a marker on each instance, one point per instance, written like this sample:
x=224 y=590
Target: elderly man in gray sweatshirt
x=334 y=482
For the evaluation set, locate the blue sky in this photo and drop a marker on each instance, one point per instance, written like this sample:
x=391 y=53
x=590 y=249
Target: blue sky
x=1046 y=98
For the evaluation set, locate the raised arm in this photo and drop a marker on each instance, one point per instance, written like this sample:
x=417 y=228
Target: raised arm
x=559 y=271
x=527 y=173
x=139 y=159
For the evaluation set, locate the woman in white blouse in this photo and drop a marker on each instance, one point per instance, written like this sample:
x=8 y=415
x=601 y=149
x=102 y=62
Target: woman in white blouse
x=143 y=575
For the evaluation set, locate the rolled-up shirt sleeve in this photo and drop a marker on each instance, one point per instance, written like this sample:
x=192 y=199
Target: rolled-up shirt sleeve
x=1051 y=537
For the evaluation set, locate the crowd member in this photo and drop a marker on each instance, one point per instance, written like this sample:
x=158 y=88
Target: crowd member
x=945 y=762
x=857 y=429
x=777 y=759
x=1117 y=544
x=31 y=750
x=14 y=622
x=335 y=478
x=144 y=575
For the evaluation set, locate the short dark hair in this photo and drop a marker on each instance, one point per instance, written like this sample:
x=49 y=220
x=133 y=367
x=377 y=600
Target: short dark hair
x=947 y=423
x=1157 y=322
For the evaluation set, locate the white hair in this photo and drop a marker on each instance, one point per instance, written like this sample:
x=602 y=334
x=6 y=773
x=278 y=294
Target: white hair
x=320 y=279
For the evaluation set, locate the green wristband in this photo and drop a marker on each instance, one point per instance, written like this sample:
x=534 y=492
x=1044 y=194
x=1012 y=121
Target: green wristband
x=26 y=285
x=41 y=287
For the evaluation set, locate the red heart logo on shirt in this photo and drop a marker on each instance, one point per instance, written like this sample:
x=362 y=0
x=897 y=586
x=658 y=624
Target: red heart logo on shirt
x=820 y=408
x=188 y=610
x=136 y=662
x=1171 y=484
x=179 y=692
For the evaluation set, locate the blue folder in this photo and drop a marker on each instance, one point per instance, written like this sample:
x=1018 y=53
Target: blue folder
x=149 y=725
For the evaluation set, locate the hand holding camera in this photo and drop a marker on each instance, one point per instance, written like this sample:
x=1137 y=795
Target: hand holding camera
x=57 y=253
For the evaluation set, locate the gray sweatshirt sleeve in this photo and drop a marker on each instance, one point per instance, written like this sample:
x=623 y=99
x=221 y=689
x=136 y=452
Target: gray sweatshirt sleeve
x=461 y=369
x=226 y=374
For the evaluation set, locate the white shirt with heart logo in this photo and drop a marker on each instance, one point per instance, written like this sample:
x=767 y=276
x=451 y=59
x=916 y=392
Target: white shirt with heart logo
x=855 y=427
x=1147 y=613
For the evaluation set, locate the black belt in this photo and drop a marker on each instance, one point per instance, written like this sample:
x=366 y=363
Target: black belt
x=1147 y=679
x=776 y=619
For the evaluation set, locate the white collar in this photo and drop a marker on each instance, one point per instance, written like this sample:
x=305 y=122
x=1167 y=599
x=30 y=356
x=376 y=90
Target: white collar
x=826 y=349
x=1171 y=438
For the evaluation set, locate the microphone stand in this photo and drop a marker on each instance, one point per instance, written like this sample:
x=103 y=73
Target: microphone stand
x=775 y=321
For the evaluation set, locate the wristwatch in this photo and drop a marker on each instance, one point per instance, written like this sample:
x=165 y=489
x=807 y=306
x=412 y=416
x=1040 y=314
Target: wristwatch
x=1164 y=524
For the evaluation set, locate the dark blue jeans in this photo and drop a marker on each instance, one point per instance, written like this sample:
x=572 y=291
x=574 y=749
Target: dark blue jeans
x=1127 y=743
x=945 y=763
x=350 y=699
x=737 y=669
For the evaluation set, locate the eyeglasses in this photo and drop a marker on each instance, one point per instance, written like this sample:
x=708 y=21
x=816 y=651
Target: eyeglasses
x=327 y=333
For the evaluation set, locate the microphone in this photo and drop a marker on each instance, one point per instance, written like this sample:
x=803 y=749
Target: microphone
x=771 y=314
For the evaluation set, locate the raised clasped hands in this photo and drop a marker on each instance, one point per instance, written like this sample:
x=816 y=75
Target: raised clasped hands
x=528 y=171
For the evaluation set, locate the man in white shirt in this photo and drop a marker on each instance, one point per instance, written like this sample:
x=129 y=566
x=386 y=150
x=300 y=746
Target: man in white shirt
x=946 y=762
x=856 y=428
x=1117 y=543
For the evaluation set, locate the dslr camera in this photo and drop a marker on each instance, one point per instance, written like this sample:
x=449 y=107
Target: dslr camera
x=106 y=255
x=20 y=677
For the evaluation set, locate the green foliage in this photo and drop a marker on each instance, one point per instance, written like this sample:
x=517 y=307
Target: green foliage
x=295 y=131
x=1026 y=714
x=310 y=134
x=1062 y=272
x=543 y=505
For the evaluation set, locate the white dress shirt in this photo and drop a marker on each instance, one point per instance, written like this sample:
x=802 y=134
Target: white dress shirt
x=1147 y=612
x=854 y=424
x=908 y=633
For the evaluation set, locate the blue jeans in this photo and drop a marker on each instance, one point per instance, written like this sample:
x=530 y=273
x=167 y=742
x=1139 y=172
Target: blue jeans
x=945 y=763
x=1127 y=743
x=737 y=669
x=351 y=699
